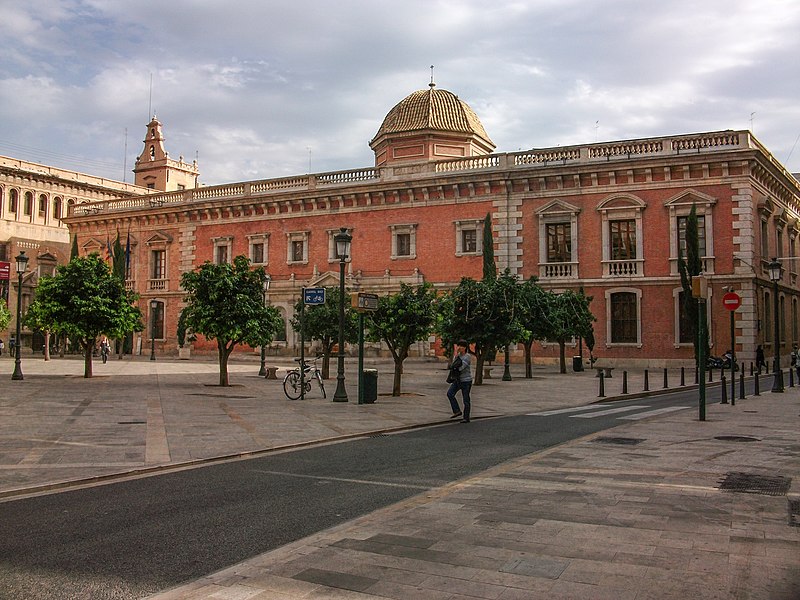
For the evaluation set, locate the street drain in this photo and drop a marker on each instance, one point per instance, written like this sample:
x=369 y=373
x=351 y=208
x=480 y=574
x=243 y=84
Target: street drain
x=749 y=483
x=794 y=513
x=736 y=438
x=620 y=441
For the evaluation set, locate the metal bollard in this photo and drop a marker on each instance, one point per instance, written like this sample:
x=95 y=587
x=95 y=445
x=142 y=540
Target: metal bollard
x=756 y=390
x=751 y=368
x=711 y=376
x=683 y=376
x=624 y=382
x=602 y=393
x=741 y=387
x=646 y=381
x=666 y=380
x=724 y=391
x=791 y=377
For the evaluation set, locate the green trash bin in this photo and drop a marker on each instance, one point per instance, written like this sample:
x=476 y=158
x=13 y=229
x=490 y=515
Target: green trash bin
x=370 y=383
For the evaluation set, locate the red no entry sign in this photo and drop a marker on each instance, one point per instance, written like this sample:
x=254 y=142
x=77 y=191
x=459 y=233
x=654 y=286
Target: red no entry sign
x=731 y=301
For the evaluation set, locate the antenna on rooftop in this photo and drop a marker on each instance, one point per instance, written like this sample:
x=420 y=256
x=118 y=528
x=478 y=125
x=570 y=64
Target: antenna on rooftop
x=432 y=84
x=751 y=122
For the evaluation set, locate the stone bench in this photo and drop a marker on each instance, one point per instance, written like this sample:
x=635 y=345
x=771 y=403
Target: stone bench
x=272 y=373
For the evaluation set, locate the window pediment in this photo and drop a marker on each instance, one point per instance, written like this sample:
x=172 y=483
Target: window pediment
x=92 y=245
x=158 y=238
x=622 y=202
x=689 y=197
x=557 y=208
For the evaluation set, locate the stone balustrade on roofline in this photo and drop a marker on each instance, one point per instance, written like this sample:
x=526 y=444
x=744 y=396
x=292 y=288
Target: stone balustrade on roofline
x=568 y=155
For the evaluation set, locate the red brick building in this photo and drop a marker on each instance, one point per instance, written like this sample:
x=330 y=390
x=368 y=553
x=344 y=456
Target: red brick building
x=607 y=217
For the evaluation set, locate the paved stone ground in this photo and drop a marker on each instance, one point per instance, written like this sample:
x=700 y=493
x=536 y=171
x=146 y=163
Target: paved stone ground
x=587 y=519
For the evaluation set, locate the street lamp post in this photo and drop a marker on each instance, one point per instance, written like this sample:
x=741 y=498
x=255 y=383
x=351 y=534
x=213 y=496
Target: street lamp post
x=153 y=309
x=262 y=372
x=22 y=265
x=775 y=276
x=342 y=240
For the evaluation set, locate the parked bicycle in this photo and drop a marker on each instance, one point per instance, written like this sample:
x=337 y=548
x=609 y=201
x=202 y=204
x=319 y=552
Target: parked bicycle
x=291 y=383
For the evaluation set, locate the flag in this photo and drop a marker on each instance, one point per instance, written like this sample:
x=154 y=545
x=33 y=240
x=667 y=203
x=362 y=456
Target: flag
x=109 y=254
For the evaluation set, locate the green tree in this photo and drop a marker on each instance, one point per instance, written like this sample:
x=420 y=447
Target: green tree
x=532 y=315
x=691 y=266
x=5 y=315
x=482 y=313
x=568 y=316
x=225 y=302
x=83 y=300
x=489 y=268
x=402 y=319
x=321 y=323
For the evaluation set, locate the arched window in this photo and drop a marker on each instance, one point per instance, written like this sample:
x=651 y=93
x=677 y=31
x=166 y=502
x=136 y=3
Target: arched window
x=27 y=207
x=57 y=207
x=13 y=201
x=42 y=205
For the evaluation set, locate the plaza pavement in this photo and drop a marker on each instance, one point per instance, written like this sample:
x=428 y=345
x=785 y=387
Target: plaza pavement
x=582 y=520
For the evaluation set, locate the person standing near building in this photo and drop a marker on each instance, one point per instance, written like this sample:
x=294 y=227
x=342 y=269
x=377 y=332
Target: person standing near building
x=461 y=380
x=760 y=359
x=2 y=345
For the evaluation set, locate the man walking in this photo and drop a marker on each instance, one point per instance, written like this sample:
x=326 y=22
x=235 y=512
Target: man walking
x=462 y=380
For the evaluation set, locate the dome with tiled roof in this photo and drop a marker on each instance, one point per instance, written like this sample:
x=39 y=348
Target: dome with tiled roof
x=448 y=125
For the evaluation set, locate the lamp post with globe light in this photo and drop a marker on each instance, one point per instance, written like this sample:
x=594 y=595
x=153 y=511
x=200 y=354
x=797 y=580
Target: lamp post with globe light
x=263 y=370
x=775 y=271
x=22 y=265
x=342 y=241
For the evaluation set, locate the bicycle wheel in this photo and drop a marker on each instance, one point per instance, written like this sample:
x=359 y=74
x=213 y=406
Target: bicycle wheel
x=318 y=375
x=291 y=385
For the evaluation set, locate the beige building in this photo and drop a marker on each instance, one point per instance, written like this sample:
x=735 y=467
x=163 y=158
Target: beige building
x=35 y=197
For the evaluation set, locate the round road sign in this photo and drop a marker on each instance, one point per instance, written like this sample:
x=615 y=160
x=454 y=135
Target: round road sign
x=731 y=301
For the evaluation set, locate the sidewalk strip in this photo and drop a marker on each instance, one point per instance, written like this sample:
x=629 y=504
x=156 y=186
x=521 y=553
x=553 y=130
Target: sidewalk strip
x=610 y=411
x=651 y=413
x=560 y=411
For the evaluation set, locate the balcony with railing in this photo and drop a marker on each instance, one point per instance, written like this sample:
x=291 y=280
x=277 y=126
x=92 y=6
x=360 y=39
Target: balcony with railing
x=558 y=270
x=157 y=285
x=623 y=268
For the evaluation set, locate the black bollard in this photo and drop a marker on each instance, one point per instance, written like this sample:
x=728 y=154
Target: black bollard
x=711 y=376
x=756 y=390
x=724 y=391
x=602 y=393
x=646 y=381
x=683 y=376
x=666 y=380
x=791 y=377
x=741 y=387
x=751 y=369
x=624 y=382
x=798 y=374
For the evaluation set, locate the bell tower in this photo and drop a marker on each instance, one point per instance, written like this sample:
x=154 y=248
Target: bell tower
x=156 y=170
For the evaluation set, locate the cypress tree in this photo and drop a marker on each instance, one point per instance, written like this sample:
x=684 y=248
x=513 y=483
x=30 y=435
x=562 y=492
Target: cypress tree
x=489 y=268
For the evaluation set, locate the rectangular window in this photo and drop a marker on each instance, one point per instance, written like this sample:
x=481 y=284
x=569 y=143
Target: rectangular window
x=701 y=235
x=559 y=242
x=764 y=240
x=623 y=239
x=624 y=325
x=686 y=321
x=767 y=325
x=298 y=247
x=778 y=243
x=221 y=254
x=469 y=240
x=27 y=207
x=159 y=258
x=157 y=329
x=403 y=244
x=257 y=253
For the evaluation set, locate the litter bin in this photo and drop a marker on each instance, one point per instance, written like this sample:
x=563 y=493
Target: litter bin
x=370 y=382
x=577 y=363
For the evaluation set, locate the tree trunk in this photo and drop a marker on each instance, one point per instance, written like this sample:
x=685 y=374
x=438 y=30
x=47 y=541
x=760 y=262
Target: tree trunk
x=87 y=359
x=562 y=350
x=478 y=377
x=528 y=367
x=398 y=372
x=224 y=353
x=47 y=345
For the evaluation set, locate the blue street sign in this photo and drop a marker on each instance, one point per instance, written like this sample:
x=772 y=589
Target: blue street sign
x=313 y=296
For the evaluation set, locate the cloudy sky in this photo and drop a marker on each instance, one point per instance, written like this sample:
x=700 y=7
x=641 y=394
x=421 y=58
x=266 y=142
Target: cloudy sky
x=268 y=88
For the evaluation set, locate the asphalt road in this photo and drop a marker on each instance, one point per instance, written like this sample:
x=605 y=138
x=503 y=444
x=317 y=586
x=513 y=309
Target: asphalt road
x=136 y=537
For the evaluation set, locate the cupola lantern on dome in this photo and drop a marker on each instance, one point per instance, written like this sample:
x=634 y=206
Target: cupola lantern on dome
x=431 y=124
